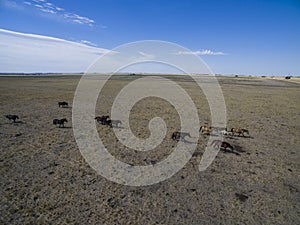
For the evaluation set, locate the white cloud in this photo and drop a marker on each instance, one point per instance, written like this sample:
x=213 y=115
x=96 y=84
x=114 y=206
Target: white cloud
x=30 y=53
x=59 y=9
x=88 y=43
x=48 y=11
x=146 y=56
x=79 y=19
x=49 y=8
x=27 y=3
x=35 y=53
x=38 y=1
x=11 y=4
x=203 y=52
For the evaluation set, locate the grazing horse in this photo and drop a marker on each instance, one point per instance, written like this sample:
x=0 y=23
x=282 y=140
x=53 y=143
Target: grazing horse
x=102 y=119
x=205 y=129
x=180 y=135
x=112 y=123
x=221 y=144
x=63 y=104
x=239 y=131
x=12 y=117
x=60 y=122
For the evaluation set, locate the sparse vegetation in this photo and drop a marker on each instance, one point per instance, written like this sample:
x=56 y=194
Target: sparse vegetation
x=44 y=178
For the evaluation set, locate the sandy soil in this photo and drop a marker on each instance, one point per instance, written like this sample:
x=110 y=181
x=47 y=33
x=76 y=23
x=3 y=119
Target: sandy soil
x=44 y=178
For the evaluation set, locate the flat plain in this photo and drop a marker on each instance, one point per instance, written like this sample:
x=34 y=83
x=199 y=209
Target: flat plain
x=45 y=180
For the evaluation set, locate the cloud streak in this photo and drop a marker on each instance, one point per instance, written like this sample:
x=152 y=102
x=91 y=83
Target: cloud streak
x=88 y=43
x=146 y=56
x=203 y=52
x=32 y=53
x=49 y=8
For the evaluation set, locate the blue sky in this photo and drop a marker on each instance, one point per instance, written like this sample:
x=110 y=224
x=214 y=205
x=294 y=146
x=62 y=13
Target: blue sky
x=233 y=37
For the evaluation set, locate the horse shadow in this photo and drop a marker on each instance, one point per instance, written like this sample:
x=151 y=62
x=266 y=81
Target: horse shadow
x=231 y=137
x=118 y=127
x=230 y=151
x=250 y=137
x=65 y=127
x=197 y=153
x=19 y=122
x=189 y=142
x=239 y=149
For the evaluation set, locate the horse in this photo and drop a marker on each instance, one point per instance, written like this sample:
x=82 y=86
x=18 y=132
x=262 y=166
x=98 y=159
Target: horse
x=60 y=122
x=239 y=131
x=112 y=123
x=226 y=132
x=63 y=104
x=205 y=129
x=180 y=135
x=221 y=144
x=102 y=119
x=12 y=117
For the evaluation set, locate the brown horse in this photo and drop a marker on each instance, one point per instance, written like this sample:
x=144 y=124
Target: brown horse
x=239 y=131
x=180 y=135
x=205 y=129
x=217 y=144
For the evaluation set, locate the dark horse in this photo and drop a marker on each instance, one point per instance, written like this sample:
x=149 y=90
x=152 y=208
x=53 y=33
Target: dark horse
x=221 y=144
x=63 y=104
x=60 y=122
x=12 y=117
x=180 y=135
x=102 y=119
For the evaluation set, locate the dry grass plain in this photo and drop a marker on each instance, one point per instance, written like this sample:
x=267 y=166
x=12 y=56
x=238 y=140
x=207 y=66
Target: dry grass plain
x=45 y=180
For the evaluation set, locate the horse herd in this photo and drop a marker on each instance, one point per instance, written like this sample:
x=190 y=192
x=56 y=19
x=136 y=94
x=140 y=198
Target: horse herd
x=224 y=131
x=60 y=122
x=218 y=144
x=177 y=136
